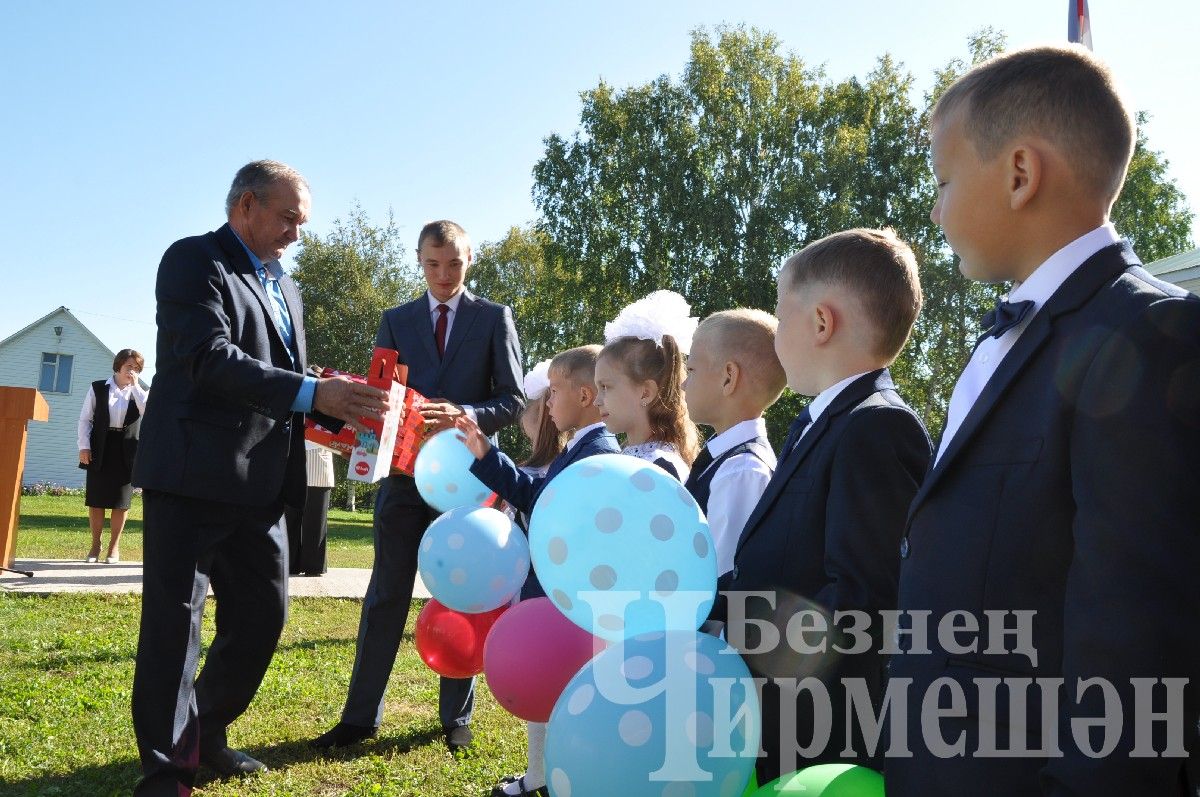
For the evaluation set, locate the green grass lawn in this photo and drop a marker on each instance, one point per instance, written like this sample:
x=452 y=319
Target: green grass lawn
x=56 y=527
x=66 y=667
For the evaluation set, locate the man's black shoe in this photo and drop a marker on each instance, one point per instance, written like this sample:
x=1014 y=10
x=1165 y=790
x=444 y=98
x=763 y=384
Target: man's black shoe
x=229 y=763
x=341 y=735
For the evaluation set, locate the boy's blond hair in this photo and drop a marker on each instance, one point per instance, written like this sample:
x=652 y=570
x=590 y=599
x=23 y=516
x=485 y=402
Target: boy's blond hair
x=578 y=364
x=747 y=337
x=1061 y=93
x=877 y=268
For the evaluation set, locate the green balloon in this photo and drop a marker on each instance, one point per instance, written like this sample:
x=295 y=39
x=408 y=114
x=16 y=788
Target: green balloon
x=752 y=786
x=827 y=780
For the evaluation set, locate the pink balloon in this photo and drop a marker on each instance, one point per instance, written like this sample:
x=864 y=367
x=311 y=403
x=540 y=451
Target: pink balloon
x=533 y=650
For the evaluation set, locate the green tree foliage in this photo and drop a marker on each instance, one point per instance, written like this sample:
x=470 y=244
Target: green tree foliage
x=347 y=279
x=522 y=271
x=706 y=183
x=1151 y=210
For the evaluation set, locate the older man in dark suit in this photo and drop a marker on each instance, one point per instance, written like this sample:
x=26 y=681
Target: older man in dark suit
x=221 y=452
x=462 y=350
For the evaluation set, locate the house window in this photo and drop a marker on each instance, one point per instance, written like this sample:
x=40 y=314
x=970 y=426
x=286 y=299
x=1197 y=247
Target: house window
x=56 y=373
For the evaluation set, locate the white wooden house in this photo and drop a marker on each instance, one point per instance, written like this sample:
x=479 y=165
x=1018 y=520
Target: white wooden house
x=61 y=357
x=1182 y=270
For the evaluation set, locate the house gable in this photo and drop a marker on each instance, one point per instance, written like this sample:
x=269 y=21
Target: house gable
x=52 y=453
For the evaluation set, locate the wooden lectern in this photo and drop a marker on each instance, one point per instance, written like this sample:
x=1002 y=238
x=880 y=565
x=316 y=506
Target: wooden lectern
x=18 y=406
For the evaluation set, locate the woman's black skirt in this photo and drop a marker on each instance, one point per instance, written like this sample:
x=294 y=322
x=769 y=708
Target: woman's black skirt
x=108 y=486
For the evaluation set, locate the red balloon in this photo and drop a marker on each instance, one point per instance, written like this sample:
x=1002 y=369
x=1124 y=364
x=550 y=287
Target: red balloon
x=531 y=654
x=451 y=643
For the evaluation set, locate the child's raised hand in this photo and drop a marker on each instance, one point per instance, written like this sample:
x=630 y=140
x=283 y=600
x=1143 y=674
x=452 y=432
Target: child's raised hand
x=472 y=435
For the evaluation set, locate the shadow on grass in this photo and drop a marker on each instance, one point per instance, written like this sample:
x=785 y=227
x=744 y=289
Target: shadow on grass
x=283 y=754
x=316 y=644
x=100 y=780
x=119 y=777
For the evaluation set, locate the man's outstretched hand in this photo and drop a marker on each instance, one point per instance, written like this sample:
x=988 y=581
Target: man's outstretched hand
x=440 y=414
x=350 y=401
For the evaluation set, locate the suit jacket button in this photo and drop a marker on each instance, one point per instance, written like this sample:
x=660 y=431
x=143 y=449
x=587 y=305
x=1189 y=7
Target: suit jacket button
x=905 y=550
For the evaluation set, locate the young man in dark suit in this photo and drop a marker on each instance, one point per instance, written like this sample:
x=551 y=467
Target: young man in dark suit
x=462 y=352
x=221 y=452
x=827 y=527
x=1067 y=484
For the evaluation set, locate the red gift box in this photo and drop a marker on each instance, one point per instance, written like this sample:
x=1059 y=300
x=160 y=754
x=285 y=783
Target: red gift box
x=410 y=435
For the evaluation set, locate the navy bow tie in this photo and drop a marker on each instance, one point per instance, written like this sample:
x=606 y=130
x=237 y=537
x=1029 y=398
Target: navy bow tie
x=1003 y=317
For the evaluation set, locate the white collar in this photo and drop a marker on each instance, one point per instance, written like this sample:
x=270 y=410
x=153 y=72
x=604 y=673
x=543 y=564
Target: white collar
x=112 y=385
x=1050 y=275
x=735 y=435
x=452 y=303
x=826 y=396
x=579 y=433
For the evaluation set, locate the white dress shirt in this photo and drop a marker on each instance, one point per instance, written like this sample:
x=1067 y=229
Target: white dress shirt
x=579 y=433
x=1041 y=285
x=825 y=398
x=118 y=405
x=653 y=450
x=452 y=303
x=736 y=487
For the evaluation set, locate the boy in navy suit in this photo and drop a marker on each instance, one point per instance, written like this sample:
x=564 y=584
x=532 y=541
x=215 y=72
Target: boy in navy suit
x=827 y=528
x=570 y=405
x=1067 y=483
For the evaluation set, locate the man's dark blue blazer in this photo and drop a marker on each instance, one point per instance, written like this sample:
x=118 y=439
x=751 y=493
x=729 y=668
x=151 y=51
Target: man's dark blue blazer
x=221 y=452
x=1071 y=490
x=220 y=426
x=827 y=529
x=481 y=367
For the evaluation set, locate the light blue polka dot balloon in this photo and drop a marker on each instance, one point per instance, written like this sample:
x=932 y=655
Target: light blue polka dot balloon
x=623 y=549
x=443 y=473
x=653 y=717
x=473 y=559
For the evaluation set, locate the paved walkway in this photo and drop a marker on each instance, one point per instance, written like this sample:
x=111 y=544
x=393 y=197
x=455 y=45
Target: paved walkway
x=71 y=575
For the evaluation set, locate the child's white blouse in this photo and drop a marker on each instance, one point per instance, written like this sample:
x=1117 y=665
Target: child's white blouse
x=665 y=455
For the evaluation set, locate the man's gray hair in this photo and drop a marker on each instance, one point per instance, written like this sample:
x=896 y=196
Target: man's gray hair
x=257 y=177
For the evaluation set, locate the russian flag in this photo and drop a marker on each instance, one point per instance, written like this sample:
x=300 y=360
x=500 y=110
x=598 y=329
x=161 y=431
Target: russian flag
x=1079 y=23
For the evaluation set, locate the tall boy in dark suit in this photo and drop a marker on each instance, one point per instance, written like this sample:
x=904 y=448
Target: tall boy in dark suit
x=828 y=526
x=1067 y=483
x=463 y=350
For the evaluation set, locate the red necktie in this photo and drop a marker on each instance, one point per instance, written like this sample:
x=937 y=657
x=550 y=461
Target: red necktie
x=439 y=329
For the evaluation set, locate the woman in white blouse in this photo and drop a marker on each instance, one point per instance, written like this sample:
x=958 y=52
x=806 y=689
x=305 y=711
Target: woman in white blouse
x=108 y=434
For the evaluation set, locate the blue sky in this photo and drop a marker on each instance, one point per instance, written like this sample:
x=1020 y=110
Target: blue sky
x=125 y=121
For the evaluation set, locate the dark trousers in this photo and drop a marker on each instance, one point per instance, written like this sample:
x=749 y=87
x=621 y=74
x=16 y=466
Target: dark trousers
x=400 y=520
x=189 y=544
x=306 y=532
